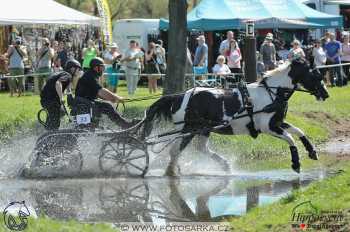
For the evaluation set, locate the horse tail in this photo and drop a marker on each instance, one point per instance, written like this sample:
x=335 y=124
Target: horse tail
x=161 y=109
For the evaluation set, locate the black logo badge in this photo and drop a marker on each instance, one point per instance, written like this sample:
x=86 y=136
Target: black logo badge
x=15 y=216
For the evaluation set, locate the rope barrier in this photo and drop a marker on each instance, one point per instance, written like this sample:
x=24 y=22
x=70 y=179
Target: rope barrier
x=332 y=65
x=162 y=75
x=123 y=74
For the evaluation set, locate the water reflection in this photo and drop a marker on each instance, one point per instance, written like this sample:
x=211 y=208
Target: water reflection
x=155 y=200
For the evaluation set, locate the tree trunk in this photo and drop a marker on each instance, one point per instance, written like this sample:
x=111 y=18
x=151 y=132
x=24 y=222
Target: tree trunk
x=175 y=79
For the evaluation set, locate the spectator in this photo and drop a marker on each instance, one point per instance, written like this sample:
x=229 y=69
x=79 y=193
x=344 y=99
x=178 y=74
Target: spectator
x=325 y=39
x=44 y=57
x=345 y=58
x=221 y=69
x=268 y=52
x=234 y=57
x=333 y=50
x=224 y=45
x=111 y=58
x=88 y=54
x=200 y=61
x=55 y=47
x=296 y=52
x=16 y=54
x=133 y=59
x=152 y=67
x=320 y=56
x=260 y=67
x=62 y=56
x=161 y=59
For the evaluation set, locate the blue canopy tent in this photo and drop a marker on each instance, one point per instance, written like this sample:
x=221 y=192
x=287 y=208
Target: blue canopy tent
x=210 y=15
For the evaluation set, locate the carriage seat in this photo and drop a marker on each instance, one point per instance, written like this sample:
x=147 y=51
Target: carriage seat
x=84 y=112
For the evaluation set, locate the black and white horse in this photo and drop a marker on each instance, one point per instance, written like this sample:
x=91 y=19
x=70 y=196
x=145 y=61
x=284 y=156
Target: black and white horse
x=200 y=109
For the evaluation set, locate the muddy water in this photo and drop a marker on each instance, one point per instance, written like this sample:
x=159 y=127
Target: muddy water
x=157 y=199
x=152 y=199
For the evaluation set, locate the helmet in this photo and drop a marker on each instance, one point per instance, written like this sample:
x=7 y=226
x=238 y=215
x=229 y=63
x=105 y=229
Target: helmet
x=72 y=63
x=97 y=61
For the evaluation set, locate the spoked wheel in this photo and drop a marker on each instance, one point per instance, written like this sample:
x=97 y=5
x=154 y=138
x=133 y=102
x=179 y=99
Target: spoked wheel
x=59 y=155
x=128 y=200
x=124 y=155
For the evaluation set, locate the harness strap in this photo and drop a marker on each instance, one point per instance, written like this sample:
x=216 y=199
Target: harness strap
x=268 y=89
x=248 y=106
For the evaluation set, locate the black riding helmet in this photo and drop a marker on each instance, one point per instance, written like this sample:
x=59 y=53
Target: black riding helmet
x=97 y=62
x=72 y=63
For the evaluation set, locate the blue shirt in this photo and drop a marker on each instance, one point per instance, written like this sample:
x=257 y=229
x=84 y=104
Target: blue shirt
x=201 y=50
x=332 y=48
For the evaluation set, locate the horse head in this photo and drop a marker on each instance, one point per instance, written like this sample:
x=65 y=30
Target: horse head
x=311 y=80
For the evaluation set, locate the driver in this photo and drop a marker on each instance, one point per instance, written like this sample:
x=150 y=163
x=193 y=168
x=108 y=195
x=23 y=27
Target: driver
x=88 y=90
x=51 y=97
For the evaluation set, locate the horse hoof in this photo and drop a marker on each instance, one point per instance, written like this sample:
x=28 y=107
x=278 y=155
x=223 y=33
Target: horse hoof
x=296 y=168
x=313 y=155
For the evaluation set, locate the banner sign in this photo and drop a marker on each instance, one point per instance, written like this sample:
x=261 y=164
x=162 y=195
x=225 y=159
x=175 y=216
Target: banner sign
x=106 y=23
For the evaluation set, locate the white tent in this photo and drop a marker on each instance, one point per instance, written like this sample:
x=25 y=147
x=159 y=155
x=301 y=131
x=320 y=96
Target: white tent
x=41 y=12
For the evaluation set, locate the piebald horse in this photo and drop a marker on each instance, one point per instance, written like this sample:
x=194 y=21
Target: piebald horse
x=199 y=110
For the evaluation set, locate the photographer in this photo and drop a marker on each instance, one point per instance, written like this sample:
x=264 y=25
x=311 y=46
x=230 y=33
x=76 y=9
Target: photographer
x=16 y=53
x=111 y=59
x=44 y=57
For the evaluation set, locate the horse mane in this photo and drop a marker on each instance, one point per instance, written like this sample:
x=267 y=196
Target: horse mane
x=280 y=69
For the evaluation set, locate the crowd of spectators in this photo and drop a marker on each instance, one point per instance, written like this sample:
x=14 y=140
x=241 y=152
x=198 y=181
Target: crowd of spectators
x=52 y=56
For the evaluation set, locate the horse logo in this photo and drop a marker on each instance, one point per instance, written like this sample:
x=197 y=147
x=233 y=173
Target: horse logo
x=15 y=216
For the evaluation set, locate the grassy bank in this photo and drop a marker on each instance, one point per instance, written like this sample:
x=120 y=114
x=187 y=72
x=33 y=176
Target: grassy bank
x=43 y=224
x=332 y=194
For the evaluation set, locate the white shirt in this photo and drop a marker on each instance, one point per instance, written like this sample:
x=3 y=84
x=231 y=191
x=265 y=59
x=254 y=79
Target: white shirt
x=221 y=69
x=320 y=56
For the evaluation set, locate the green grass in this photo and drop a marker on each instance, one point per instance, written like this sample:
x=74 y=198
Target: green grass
x=327 y=195
x=43 y=224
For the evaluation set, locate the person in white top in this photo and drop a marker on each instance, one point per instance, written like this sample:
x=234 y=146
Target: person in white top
x=345 y=57
x=111 y=57
x=319 y=55
x=221 y=69
x=224 y=45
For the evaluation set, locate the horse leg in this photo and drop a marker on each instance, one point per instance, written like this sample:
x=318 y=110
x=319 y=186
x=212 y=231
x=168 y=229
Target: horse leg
x=203 y=146
x=284 y=135
x=308 y=146
x=175 y=152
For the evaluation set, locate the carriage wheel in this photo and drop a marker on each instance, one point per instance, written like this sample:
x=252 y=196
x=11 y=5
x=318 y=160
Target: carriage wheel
x=60 y=153
x=124 y=155
x=128 y=199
